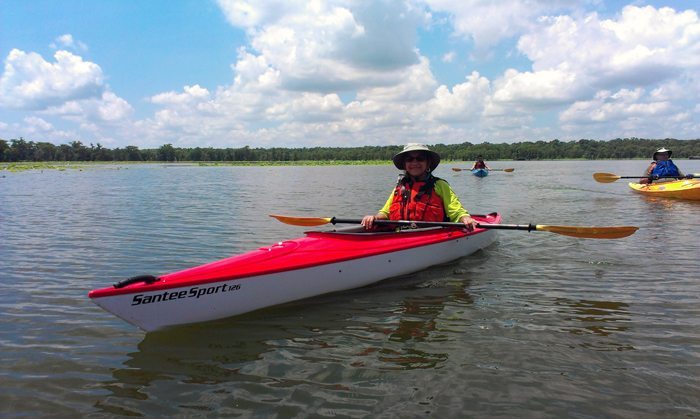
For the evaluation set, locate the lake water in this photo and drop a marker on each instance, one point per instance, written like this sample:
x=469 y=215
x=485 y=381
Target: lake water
x=536 y=325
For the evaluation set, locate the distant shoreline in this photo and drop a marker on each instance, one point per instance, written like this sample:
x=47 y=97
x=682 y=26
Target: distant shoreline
x=80 y=165
x=21 y=150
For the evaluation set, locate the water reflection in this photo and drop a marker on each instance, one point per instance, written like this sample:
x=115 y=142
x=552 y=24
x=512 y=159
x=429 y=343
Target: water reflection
x=337 y=343
x=598 y=318
x=419 y=315
x=203 y=353
x=209 y=355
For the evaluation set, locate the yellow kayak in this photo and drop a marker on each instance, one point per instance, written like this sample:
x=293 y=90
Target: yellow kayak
x=681 y=189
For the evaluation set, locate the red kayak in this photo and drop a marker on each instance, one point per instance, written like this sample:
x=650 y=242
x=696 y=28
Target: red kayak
x=319 y=263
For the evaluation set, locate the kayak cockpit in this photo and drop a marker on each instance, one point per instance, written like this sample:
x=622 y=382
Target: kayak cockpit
x=360 y=231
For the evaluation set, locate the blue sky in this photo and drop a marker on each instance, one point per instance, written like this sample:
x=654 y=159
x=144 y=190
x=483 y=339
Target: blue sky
x=229 y=73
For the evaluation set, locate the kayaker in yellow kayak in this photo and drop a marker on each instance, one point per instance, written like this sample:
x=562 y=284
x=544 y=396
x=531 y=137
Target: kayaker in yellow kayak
x=662 y=166
x=419 y=195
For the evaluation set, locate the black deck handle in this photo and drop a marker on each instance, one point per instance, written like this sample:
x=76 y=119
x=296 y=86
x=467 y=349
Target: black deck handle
x=148 y=279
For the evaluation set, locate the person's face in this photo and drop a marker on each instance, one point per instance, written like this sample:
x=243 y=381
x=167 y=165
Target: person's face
x=662 y=156
x=416 y=163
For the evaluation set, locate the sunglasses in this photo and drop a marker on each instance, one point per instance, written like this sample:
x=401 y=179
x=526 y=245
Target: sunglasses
x=414 y=158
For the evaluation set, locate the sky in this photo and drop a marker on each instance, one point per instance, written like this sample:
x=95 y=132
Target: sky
x=343 y=73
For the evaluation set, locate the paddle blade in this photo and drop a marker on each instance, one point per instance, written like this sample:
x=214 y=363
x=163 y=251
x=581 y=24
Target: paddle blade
x=302 y=221
x=590 y=232
x=508 y=170
x=606 y=177
x=456 y=169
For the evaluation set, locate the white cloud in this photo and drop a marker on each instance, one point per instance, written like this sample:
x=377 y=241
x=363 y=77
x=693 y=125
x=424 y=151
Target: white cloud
x=112 y=108
x=624 y=104
x=490 y=22
x=192 y=94
x=449 y=57
x=30 y=82
x=465 y=103
x=326 y=46
x=108 y=108
x=34 y=127
x=253 y=72
x=412 y=84
x=251 y=14
x=310 y=107
x=628 y=112
x=537 y=88
x=647 y=56
x=68 y=90
x=614 y=53
x=37 y=124
x=66 y=41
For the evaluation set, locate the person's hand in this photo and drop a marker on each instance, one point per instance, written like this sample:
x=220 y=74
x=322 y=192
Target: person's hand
x=368 y=221
x=468 y=222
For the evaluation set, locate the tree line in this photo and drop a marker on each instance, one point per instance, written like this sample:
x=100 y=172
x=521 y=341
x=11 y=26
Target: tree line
x=16 y=150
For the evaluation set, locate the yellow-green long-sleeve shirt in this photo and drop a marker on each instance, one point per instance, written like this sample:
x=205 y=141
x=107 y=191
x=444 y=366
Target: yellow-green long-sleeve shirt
x=453 y=208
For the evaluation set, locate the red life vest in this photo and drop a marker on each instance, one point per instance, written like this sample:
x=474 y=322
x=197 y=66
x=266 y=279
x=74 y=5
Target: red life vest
x=417 y=201
x=480 y=165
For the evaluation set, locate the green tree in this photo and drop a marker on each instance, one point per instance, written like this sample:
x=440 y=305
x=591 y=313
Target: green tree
x=19 y=150
x=4 y=149
x=166 y=152
x=80 y=152
x=44 y=152
x=132 y=153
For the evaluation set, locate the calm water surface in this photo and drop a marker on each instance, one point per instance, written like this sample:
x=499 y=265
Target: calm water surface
x=536 y=325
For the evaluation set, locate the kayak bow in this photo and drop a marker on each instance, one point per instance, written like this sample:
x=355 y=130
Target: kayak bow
x=319 y=263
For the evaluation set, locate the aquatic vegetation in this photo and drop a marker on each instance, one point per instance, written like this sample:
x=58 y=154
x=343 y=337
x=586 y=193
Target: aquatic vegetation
x=26 y=166
x=297 y=163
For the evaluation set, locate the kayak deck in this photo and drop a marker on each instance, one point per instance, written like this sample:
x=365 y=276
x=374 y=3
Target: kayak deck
x=317 y=248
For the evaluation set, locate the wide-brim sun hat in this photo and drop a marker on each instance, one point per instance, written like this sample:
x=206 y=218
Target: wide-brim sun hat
x=399 y=157
x=662 y=150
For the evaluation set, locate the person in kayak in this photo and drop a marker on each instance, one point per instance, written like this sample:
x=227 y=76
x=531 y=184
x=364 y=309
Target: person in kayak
x=418 y=194
x=480 y=164
x=662 y=166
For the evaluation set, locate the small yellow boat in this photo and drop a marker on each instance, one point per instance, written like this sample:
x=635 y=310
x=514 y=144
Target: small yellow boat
x=680 y=189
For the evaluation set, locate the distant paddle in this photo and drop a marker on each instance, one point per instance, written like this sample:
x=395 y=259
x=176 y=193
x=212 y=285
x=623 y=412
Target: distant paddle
x=457 y=169
x=572 y=231
x=611 y=177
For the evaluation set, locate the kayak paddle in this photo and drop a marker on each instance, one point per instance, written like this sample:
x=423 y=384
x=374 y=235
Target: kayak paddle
x=457 y=169
x=611 y=177
x=572 y=231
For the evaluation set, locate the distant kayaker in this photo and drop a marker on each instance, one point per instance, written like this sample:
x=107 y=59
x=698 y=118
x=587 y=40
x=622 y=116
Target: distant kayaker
x=419 y=195
x=480 y=164
x=662 y=166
